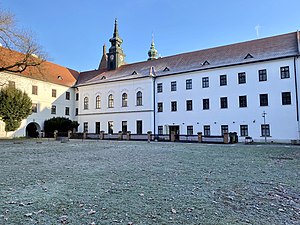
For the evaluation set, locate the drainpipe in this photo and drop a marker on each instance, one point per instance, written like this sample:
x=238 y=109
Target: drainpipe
x=154 y=108
x=296 y=90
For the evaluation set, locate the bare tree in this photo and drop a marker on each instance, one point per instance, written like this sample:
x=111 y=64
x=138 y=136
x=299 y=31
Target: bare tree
x=15 y=41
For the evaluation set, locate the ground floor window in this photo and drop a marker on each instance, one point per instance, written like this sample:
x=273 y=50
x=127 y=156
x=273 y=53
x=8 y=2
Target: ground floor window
x=244 y=130
x=139 y=126
x=224 y=129
x=265 y=130
x=85 y=127
x=124 y=126
x=110 y=125
x=97 y=130
x=206 y=129
x=160 y=129
x=189 y=130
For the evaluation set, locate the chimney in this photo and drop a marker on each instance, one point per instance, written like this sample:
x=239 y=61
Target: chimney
x=103 y=62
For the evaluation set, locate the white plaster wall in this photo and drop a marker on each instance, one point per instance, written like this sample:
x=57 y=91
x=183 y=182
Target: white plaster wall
x=44 y=100
x=117 y=114
x=282 y=118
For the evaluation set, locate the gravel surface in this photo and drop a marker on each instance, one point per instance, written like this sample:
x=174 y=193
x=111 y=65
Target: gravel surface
x=111 y=182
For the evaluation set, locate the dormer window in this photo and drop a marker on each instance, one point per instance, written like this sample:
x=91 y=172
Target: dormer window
x=206 y=63
x=103 y=78
x=59 y=77
x=166 y=69
x=248 y=56
x=134 y=73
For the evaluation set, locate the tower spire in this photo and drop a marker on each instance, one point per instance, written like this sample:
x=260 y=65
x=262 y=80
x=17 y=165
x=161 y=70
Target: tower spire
x=116 y=32
x=152 y=53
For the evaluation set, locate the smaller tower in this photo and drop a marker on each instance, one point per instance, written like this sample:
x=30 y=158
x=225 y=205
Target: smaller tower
x=103 y=62
x=152 y=53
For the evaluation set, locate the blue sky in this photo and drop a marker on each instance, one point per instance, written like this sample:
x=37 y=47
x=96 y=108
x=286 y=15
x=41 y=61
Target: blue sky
x=72 y=32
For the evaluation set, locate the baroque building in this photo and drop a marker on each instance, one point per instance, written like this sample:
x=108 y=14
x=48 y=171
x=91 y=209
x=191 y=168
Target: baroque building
x=250 y=88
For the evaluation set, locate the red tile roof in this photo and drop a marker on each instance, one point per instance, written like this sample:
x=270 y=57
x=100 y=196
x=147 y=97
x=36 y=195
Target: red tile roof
x=280 y=46
x=46 y=71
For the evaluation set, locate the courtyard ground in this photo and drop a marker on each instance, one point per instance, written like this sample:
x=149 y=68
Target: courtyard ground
x=110 y=182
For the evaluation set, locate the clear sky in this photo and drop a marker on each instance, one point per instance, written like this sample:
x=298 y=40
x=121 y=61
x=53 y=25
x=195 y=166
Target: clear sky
x=72 y=32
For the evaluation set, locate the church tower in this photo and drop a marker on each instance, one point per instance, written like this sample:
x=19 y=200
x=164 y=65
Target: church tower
x=115 y=55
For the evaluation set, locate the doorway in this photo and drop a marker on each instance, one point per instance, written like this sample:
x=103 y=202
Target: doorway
x=174 y=129
x=33 y=130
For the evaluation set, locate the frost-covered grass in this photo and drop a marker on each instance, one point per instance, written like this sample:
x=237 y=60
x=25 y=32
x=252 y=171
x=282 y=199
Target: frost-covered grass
x=108 y=182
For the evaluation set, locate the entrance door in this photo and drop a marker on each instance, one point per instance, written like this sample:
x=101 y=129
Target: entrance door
x=33 y=130
x=174 y=129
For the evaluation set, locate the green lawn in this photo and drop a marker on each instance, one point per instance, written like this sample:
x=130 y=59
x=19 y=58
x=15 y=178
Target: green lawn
x=110 y=182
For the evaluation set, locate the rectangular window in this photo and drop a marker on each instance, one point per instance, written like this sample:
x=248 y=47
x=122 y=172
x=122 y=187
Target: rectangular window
x=34 y=108
x=34 y=90
x=173 y=86
x=265 y=130
x=54 y=93
x=286 y=98
x=284 y=72
x=160 y=129
x=85 y=127
x=11 y=84
x=262 y=75
x=97 y=128
x=159 y=107
x=242 y=78
x=67 y=95
x=77 y=96
x=244 y=130
x=159 y=88
x=139 y=126
x=124 y=126
x=263 y=99
x=110 y=126
x=205 y=82
x=189 y=105
x=189 y=130
x=188 y=84
x=224 y=129
x=243 y=101
x=223 y=80
x=174 y=106
x=67 y=111
x=76 y=112
x=206 y=130
x=53 y=109
x=205 y=103
x=223 y=102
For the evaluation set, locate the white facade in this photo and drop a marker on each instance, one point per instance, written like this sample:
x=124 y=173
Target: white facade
x=44 y=101
x=282 y=119
x=130 y=112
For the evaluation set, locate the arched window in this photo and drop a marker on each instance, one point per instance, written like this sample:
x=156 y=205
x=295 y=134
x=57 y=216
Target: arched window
x=98 y=102
x=124 y=100
x=110 y=101
x=86 y=103
x=139 y=98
